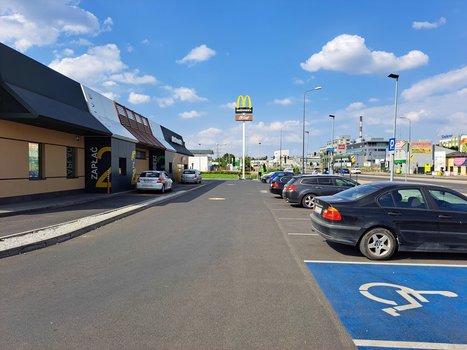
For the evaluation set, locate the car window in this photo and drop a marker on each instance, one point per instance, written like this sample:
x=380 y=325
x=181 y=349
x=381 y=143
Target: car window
x=285 y=179
x=344 y=182
x=357 y=192
x=386 y=200
x=150 y=174
x=310 y=181
x=449 y=201
x=189 y=172
x=326 y=181
x=409 y=198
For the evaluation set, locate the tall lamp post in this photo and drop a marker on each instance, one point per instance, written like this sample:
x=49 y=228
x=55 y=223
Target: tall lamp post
x=396 y=77
x=307 y=145
x=199 y=158
x=331 y=165
x=303 y=136
x=259 y=155
x=280 y=151
x=407 y=162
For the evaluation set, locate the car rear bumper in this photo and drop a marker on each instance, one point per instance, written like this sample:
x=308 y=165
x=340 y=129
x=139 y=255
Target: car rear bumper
x=191 y=180
x=334 y=232
x=149 y=187
x=290 y=197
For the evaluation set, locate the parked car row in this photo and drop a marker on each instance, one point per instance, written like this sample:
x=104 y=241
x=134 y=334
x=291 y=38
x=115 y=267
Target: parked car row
x=159 y=180
x=380 y=218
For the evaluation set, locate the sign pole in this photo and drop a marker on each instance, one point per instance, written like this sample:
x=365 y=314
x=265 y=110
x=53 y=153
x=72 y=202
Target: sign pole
x=243 y=152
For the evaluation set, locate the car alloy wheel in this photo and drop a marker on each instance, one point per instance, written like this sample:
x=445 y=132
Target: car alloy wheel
x=378 y=244
x=308 y=201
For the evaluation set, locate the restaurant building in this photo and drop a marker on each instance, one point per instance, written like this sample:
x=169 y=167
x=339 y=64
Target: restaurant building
x=58 y=136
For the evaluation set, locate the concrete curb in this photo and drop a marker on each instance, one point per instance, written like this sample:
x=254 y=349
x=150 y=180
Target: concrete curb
x=23 y=242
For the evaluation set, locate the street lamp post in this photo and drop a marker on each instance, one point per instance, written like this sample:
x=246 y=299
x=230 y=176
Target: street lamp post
x=199 y=158
x=259 y=155
x=280 y=151
x=307 y=145
x=396 y=77
x=407 y=162
x=303 y=136
x=331 y=165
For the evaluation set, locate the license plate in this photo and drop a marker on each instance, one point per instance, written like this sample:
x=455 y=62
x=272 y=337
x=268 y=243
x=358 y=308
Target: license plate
x=318 y=210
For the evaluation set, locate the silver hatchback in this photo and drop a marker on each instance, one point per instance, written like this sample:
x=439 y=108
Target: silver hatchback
x=191 y=176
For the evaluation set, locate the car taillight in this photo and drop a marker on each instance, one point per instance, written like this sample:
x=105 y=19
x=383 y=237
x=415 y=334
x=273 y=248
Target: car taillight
x=290 y=188
x=274 y=184
x=159 y=180
x=332 y=213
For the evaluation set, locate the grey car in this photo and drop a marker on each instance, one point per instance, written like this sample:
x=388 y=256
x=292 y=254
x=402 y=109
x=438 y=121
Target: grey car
x=191 y=176
x=302 y=189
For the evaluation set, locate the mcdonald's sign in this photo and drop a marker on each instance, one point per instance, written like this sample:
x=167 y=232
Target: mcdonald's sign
x=243 y=109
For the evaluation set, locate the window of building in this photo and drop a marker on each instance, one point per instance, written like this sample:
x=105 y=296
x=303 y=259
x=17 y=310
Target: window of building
x=140 y=155
x=122 y=166
x=170 y=168
x=70 y=162
x=35 y=160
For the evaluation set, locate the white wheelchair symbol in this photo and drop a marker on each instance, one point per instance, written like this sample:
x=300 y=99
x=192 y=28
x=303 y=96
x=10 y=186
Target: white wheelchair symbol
x=412 y=296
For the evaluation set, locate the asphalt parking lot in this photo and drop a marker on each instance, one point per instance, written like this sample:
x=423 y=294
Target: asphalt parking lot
x=414 y=301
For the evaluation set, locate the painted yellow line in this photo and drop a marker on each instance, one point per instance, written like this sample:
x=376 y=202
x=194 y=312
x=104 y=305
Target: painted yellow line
x=216 y=199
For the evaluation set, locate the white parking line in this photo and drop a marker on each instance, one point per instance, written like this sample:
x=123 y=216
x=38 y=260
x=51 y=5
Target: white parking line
x=300 y=219
x=378 y=263
x=407 y=344
x=301 y=234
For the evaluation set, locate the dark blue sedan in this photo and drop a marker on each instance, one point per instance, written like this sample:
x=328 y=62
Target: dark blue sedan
x=386 y=217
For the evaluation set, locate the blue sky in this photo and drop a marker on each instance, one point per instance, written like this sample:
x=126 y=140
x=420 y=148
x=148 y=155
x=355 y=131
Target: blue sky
x=183 y=64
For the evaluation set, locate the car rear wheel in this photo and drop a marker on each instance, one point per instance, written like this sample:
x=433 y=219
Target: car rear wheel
x=308 y=201
x=378 y=244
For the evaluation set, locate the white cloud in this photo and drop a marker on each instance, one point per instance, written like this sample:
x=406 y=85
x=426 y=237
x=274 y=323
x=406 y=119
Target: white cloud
x=100 y=66
x=298 y=81
x=373 y=100
x=135 y=98
x=355 y=106
x=198 y=54
x=429 y=25
x=349 y=54
x=283 y=102
x=446 y=82
x=26 y=23
x=182 y=94
x=145 y=41
x=210 y=132
x=133 y=78
x=190 y=114
x=95 y=65
x=229 y=105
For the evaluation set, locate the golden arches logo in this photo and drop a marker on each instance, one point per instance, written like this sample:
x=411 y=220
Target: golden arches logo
x=244 y=100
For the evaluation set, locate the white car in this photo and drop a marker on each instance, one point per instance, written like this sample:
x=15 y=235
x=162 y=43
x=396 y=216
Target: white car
x=191 y=175
x=355 y=171
x=154 y=180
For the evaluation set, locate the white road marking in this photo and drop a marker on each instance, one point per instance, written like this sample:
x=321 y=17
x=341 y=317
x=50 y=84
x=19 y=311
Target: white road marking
x=379 y=263
x=407 y=344
x=413 y=297
x=216 y=199
x=302 y=234
x=264 y=191
x=302 y=219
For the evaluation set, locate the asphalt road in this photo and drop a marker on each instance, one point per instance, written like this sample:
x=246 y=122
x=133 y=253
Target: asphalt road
x=214 y=269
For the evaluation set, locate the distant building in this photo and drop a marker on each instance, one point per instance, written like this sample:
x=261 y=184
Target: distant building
x=201 y=159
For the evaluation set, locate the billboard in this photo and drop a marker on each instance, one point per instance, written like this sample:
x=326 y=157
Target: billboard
x=421 y=147
x=463 y=144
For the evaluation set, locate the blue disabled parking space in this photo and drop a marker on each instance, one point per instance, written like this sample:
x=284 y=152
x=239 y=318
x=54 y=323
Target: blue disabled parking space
x=397 y=306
